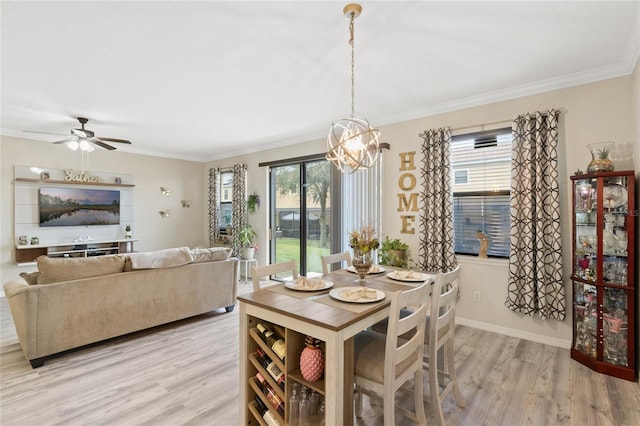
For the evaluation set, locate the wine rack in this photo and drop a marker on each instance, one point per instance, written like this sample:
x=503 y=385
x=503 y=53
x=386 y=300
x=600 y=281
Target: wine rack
x=290 y=366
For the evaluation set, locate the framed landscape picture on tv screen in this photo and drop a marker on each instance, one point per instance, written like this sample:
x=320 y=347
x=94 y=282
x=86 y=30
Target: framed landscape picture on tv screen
x=78 y=207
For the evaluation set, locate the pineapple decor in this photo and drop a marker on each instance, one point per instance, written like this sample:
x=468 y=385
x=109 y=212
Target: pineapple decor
x=600 y=161
x=312 y=360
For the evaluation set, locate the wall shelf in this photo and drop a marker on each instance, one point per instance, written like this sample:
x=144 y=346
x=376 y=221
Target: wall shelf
x=64 y=182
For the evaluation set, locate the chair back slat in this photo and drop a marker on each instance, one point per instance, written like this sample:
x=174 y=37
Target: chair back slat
x=335 y=258
x=258 y=272
x=395 y=352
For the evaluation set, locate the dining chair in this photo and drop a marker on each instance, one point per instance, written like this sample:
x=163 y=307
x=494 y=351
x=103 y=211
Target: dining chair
x=258 y=272
x=335 y=258
x=383 y=363
x=440 y=334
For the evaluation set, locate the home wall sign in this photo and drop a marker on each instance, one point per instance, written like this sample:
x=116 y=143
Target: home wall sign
x=71 y=176
x=407 y=199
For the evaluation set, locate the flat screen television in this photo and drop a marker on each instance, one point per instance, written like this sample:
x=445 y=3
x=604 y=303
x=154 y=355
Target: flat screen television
x=78 y=207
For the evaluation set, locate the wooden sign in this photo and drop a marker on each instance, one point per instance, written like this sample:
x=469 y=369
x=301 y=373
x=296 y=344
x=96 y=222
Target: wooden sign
x=407 y=199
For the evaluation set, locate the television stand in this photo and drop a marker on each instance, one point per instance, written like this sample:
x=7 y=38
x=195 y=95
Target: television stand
x=27 y=254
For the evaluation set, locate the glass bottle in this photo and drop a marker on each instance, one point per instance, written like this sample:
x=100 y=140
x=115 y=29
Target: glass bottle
x=274 y=341
x=294 y=407
x=305 y=414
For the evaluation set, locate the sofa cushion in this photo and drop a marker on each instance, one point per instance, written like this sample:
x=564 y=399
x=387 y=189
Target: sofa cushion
x=53 y=270
x=210 y=254
x=30 y=277
x=161 y=259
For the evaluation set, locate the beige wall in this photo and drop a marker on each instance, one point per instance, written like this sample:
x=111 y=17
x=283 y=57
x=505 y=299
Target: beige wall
x=590 y=113
x=185 y=226
x=606 y=110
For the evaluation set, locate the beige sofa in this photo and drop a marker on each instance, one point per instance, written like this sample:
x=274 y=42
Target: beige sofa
x=53 y=315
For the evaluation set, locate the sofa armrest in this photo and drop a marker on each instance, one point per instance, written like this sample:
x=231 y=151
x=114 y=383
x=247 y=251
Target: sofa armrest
x=23 y=301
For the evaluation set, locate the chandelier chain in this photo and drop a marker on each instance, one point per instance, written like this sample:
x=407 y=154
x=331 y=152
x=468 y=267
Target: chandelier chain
x=353 y=60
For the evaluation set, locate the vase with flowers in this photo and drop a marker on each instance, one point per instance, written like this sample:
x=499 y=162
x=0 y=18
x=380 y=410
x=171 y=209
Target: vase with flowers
x=363 y=242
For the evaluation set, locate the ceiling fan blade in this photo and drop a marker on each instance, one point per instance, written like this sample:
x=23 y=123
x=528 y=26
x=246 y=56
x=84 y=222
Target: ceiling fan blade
x=63 y=141
x=103 y=145
x=44 y=133
x=114 y=140
x=83 y=133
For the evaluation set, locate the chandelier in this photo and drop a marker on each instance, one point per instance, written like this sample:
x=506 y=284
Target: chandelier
x=352 y=143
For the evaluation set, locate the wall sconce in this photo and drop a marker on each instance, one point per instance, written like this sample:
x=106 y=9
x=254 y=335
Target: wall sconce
x=186 y=203
x=165 y=191
x=165 y=213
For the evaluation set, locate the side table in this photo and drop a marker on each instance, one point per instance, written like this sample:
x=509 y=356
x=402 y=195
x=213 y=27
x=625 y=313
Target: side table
x=246 y=263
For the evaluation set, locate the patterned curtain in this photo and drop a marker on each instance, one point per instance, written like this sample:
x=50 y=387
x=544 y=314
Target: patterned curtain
x=535 y=262
x=239 y=205
x=214 y=206
x=436 y=251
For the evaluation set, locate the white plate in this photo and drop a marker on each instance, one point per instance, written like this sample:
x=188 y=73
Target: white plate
x=620 y=201
x=379 y=271
x=312 y=284
x=357 y=294
x=409 y=276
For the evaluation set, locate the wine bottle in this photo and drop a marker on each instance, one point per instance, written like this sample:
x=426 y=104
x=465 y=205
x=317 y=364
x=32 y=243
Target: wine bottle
x=272 y=368
x=274 y=341
x=271 y=395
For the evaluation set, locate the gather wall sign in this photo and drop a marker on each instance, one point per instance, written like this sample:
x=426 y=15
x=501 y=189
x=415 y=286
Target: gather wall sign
x=407 y=198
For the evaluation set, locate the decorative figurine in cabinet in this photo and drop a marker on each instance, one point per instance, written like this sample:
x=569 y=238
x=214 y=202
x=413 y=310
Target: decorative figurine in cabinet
x=604 y=286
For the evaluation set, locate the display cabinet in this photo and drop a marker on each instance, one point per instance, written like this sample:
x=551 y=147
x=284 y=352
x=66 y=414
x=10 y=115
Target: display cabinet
x=604 y=275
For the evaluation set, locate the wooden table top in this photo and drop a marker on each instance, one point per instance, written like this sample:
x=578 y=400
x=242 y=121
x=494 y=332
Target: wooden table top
x=314 y=308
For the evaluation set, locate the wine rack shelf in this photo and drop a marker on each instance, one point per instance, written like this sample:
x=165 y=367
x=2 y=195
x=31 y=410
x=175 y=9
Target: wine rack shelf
x=290 y=366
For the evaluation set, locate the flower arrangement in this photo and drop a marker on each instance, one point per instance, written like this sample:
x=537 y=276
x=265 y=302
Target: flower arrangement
x=364 y=240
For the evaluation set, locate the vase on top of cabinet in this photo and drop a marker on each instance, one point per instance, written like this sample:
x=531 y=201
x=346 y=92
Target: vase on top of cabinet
x=604 y=277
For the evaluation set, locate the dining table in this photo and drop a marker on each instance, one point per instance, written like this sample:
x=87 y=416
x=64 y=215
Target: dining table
x=327 y=316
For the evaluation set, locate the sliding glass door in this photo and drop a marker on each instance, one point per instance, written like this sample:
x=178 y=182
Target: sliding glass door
x=301 y=214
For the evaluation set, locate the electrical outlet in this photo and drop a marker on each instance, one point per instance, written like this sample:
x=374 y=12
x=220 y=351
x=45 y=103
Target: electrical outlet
x=476 y=296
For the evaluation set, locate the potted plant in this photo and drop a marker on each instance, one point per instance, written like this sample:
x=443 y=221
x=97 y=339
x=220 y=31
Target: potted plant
x=246 y=236
x=253 y=202
x=394 y=253
x=127 y=231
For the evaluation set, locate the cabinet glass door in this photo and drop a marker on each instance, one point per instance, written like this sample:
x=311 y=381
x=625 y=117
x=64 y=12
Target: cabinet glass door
x=586 y=318
x=586 y=232
x=614 y=235
x=615 y=326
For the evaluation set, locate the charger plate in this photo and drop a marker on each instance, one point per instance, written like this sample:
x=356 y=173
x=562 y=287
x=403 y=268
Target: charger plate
x=309 y=284
x=357 y=294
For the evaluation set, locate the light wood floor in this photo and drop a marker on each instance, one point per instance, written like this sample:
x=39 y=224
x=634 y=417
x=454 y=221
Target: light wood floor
x=186 y=373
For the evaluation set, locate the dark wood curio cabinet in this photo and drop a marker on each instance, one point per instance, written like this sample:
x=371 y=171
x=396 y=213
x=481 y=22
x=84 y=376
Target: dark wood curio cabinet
x=604 y=274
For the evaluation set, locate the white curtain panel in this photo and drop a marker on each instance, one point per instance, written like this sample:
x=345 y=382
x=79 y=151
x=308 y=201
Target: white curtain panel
x=535 y=262
x=362 y=200
x=436 y=249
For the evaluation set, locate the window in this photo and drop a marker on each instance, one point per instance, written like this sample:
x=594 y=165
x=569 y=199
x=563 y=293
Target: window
x=226 y=198
x=481 y=174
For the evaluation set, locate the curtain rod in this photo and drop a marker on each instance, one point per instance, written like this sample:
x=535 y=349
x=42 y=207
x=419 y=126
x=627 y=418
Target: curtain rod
x=482 y=126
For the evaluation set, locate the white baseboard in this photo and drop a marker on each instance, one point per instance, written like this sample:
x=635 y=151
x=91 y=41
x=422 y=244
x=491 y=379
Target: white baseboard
x=565 y=344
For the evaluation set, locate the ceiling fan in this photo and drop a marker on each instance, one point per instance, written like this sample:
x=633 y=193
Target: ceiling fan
x=82 y=138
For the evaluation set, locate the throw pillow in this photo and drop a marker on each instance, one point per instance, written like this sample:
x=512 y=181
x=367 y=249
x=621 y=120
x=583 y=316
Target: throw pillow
x=53 y=270
x=30 y=277
x=210 y=254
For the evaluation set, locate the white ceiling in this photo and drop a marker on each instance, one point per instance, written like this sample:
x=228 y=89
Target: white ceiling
x=206 y=80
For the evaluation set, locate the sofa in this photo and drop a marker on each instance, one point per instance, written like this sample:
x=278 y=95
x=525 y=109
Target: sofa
x=72 y=302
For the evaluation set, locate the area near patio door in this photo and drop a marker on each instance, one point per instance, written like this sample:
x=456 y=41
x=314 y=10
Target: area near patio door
x=301 y=214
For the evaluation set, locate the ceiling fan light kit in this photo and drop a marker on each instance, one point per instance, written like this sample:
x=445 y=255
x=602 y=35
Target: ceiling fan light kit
x=85 y=139
x=352 y=143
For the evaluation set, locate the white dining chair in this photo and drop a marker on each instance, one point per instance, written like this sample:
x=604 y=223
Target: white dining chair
x=335 y=258
x=383 y=363
x=440 y=334
x=258 y=272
